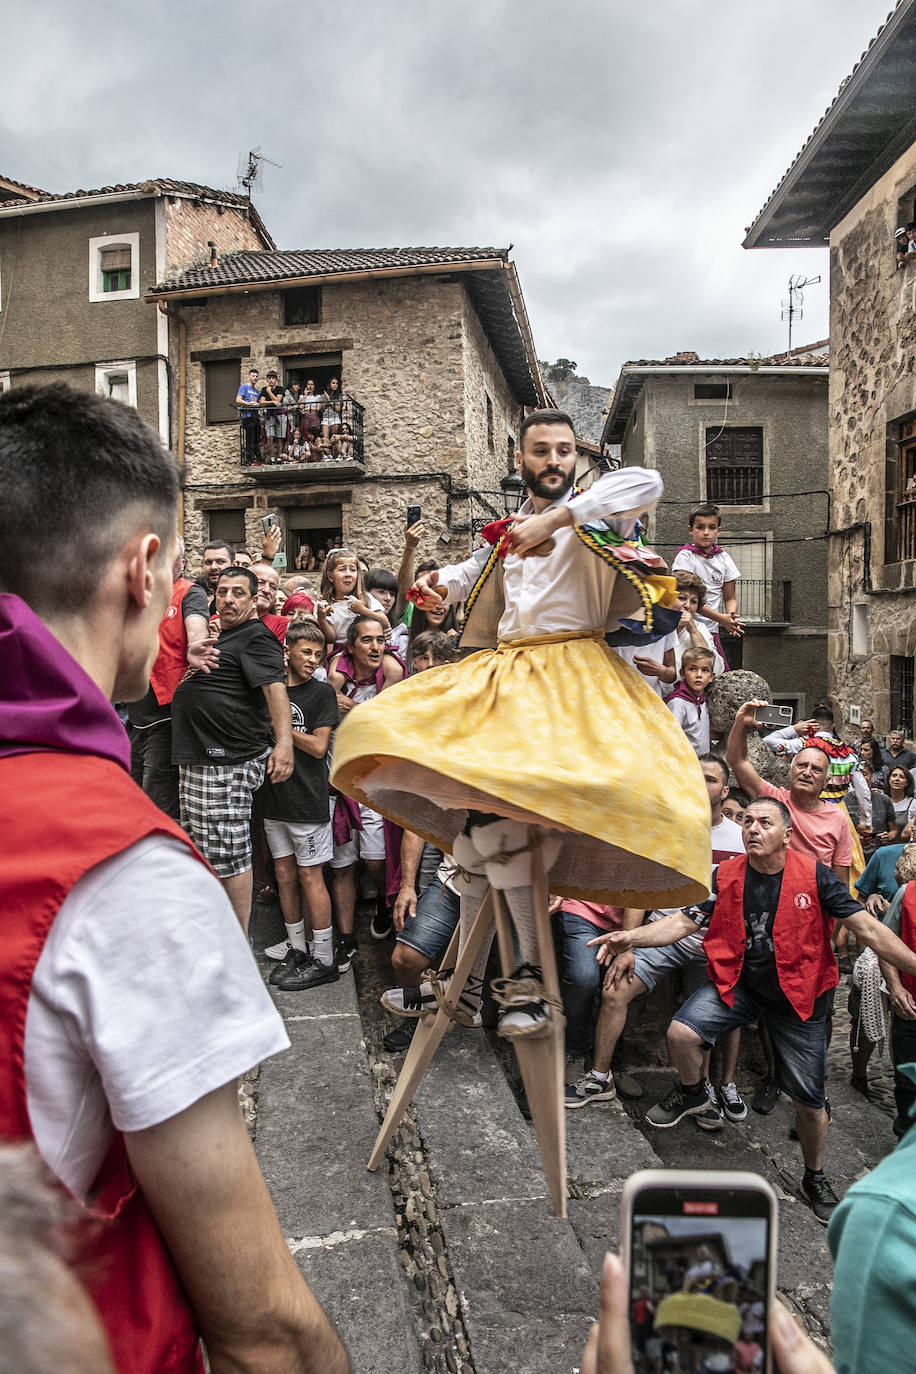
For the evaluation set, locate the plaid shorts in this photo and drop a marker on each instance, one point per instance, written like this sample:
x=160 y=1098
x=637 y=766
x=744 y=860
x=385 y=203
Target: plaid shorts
x=215 y=803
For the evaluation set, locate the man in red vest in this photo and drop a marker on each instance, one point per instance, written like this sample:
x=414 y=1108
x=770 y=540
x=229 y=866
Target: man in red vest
x=184 y=638
x=769 y=959
x=119 y=1056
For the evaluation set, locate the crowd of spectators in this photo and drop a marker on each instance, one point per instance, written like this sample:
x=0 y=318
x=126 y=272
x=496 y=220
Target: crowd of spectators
x=295 y=425
x=905 y=244
x=233 y=739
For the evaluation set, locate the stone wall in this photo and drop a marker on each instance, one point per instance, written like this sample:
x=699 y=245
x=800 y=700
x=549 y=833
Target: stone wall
x=483 y=377
x=405 y=343
x=190 y=226
x=872 y=386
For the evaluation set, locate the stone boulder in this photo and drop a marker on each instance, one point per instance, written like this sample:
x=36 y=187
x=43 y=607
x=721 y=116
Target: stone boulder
x=725 y=697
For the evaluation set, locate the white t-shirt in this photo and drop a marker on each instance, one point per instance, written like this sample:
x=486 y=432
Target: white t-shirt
x=684 y=642
x=713 y=572
x=693 y=720
x=145 y=998
x=341 y=617
x=654 y=651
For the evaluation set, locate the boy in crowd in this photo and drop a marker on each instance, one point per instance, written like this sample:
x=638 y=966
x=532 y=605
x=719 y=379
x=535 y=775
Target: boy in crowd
x=383 y=585
x=687 y=702
x=693 y=632
x=717 y=570
x=297 y=817
x=734 y=804
x=431 y=649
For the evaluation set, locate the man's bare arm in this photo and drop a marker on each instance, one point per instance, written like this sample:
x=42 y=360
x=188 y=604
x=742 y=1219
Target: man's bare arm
x=889 y=948
x=280 y=762
x=736 y=752
x=315 y=743
x=203 y=1185
x=405 y=904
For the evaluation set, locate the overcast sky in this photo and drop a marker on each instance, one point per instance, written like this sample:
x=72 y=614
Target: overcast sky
x=622 y=149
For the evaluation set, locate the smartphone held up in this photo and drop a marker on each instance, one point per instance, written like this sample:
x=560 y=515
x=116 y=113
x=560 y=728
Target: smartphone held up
x=700 y=1251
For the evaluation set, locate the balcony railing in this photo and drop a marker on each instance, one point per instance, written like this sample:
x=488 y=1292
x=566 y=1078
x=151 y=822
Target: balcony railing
x=285 y=436
x=764 y=602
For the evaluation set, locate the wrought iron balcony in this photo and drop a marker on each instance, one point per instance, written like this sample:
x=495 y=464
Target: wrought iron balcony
x=279 y=442
x=764 y=602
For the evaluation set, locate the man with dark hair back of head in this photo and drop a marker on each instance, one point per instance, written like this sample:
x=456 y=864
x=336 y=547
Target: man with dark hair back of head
x=769 y=959
x=122 y=1078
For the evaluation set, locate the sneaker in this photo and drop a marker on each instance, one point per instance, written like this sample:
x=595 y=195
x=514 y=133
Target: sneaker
x=399 y=1039
x=590 y=1089
x=732 y=1103
x=345 y=951
x=304 y=971
x=676 y=1105
x=288 y=962
x=278 y=952
x=409 y=1001
x=710 y=1119
x=380 y=926
x=626 y=1084
x=818 y=1192
x=521 y=1011
x=766 y=1097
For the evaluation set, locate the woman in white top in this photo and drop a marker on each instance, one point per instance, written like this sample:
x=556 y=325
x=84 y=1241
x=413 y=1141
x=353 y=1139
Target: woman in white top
x=312 y=403
x=900 y=790
x=330 y=416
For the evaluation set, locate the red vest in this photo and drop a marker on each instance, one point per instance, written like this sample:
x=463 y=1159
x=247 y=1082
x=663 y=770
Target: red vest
x=172 y=659
x=908 y=933
x=801 y=934
x=61 y=815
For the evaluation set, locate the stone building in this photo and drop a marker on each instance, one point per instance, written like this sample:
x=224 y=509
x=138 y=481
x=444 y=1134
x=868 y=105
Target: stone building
x=750 y=435
x=851 y=186
x=436 y=364
x=74 y=269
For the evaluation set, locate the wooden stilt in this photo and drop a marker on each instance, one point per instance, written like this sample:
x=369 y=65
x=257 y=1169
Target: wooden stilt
x=541 y=1058
x=429 y=1033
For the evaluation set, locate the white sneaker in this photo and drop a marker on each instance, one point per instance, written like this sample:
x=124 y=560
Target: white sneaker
x=277 y=952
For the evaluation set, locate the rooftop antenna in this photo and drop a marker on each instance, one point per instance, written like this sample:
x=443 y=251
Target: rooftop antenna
x=249 y=172
x=792 y=308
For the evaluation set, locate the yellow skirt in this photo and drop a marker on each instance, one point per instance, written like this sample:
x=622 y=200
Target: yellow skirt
x=557 y=732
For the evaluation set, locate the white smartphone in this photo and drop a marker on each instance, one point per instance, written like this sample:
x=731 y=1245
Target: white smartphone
x=699 y=1248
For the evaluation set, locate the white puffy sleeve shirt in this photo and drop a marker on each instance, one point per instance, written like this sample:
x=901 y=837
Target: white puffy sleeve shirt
x=569 y=589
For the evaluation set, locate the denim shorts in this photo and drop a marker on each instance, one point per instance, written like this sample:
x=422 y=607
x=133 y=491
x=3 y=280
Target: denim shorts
x=433 y=923
x=651 y=965
x=799 y=1047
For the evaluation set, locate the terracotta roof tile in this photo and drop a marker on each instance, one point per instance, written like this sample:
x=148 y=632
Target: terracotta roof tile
x=238 y=268
x=162 y=184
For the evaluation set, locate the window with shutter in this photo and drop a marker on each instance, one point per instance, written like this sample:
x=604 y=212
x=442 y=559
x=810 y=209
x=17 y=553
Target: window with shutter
x=734 y=466
x=221 y=385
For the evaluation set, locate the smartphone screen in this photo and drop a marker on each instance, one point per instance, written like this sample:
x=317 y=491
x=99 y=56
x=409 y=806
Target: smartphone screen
x=700 y=1262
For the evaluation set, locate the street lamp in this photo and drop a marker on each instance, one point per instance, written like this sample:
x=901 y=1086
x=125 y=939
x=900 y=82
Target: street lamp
x=514 y=491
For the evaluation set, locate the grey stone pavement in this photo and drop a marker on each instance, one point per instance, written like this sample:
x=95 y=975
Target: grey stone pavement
x=450 y=1259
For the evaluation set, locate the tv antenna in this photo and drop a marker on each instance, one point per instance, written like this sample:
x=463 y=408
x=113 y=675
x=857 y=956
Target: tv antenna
x=249 y=172
x=792 y=308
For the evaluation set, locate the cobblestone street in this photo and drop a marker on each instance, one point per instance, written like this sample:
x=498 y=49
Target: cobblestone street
x=451 y=1259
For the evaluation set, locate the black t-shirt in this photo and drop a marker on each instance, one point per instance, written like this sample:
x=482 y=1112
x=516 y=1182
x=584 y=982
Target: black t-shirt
x=303 y=798
x=222 y=716
x=277 y=391
x=759 y=974
x=147 y=711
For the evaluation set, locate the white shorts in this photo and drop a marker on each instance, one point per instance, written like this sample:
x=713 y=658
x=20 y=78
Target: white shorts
x=368 y=843
x=312 y=844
